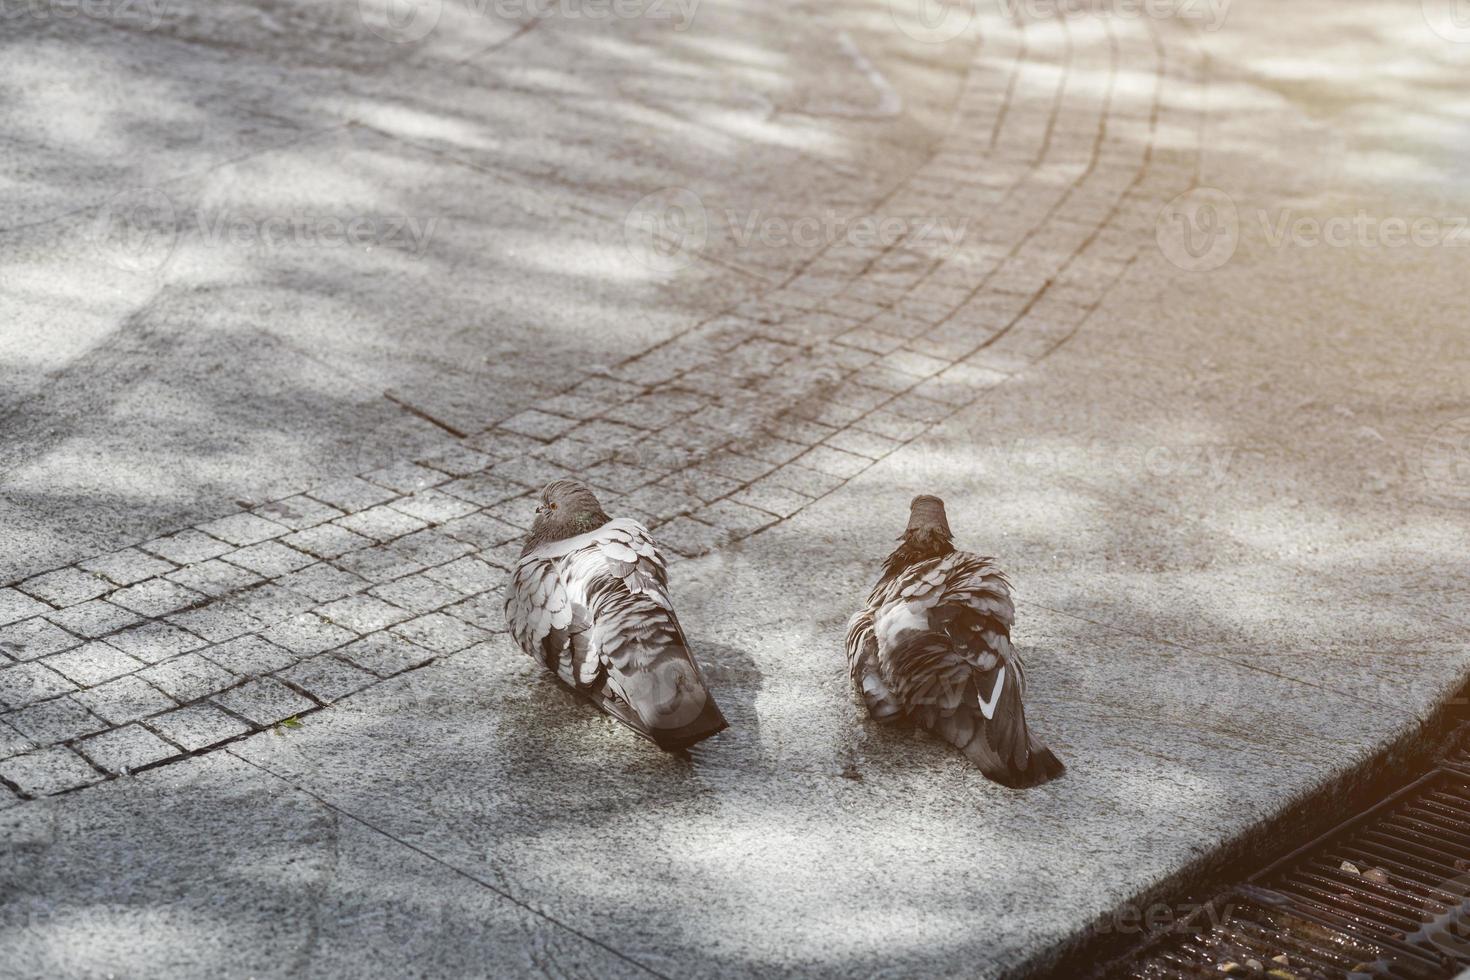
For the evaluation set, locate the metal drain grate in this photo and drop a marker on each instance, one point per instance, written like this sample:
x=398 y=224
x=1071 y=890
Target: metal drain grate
x=1386 y=894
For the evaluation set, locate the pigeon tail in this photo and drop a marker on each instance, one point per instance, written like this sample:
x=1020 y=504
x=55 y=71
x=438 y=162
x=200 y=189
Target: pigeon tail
x=665 y=700
x=708 y=722
x=991 y=730
x=1036 y=765
x=1041 y=767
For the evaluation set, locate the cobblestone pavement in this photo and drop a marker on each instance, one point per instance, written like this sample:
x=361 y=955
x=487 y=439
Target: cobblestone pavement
x=1062 y=148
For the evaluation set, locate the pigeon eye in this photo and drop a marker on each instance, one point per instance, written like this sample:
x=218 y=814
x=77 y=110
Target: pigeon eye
x=551 y=506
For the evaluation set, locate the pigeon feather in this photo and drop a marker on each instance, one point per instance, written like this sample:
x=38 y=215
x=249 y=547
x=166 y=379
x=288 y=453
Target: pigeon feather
x=593 y=608
x=932 y=647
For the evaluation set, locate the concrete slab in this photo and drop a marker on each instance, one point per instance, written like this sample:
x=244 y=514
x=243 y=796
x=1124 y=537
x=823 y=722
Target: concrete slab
x=297 y=883
x=807 y=840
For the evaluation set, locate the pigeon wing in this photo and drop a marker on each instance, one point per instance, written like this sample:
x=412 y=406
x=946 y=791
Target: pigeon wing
x=650 y=678
x=943 y=633
x=544 y=620
x=862 y=667
x=623 y=582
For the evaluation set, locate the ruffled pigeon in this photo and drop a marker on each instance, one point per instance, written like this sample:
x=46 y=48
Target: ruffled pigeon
x=589 y=600
x=933 y=647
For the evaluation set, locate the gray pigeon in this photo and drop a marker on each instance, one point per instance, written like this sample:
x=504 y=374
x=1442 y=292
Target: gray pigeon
x=933 y=647
x=589 y=601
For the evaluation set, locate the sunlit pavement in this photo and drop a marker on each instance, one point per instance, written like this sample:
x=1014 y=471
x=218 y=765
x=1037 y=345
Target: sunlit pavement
x=300 y=302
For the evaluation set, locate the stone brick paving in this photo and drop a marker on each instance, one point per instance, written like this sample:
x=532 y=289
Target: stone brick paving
x=1062 y=149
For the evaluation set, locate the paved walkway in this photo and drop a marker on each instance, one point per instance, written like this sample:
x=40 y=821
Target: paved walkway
x=726 y=427
x=1225 y=465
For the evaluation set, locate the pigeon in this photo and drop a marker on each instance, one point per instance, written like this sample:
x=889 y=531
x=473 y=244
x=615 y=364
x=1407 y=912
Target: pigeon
x=589 y=600
x=933 y=647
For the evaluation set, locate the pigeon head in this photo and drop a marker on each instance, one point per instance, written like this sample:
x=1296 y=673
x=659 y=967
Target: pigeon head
x=926 y=513
x=565 y=509
x=926 y=536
